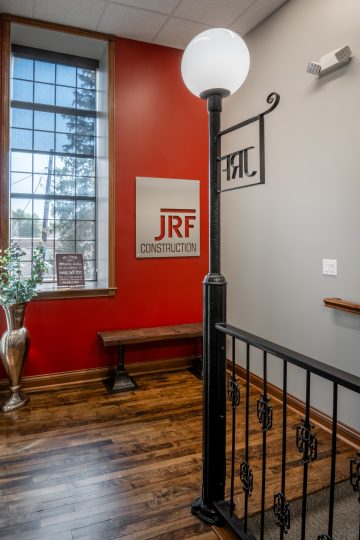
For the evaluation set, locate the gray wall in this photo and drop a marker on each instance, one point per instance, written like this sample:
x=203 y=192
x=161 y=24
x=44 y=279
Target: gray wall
x=274 y=237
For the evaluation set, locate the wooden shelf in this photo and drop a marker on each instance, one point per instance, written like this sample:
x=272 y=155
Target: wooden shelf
x=343 y=305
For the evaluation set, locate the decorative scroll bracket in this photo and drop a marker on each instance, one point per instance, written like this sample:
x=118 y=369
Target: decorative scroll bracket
x=234 y=393
x=306 y=442
x=355 y=475
x=282 y=512
x=246 y=477
x=264 y=413
x=237 y=163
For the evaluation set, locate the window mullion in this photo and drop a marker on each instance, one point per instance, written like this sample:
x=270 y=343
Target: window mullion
x=57 y=109
x=79 y=135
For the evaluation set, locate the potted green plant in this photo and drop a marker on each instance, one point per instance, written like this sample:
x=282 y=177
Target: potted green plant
x=15 y=293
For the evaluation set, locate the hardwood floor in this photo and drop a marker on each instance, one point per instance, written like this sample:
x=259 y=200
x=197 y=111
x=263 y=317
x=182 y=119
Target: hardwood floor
x=80 y=463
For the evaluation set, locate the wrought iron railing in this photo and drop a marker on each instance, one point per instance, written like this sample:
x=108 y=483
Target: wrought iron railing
x=305 y=437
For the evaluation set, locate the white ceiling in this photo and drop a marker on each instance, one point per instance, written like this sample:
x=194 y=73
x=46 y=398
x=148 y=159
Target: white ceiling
x=166 y=22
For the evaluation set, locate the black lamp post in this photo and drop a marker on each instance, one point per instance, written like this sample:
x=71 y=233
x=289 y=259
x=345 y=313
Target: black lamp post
x=214 y=65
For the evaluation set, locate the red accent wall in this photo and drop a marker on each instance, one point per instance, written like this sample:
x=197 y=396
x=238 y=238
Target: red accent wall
x=161 y=131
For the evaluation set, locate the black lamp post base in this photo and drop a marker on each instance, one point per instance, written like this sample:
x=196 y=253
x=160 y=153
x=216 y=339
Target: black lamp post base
x=205 y=513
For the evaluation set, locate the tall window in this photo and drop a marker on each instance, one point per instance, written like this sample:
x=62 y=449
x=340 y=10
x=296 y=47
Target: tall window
x=53 y=155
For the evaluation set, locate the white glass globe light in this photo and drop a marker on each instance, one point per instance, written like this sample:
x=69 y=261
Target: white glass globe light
x=215 y=59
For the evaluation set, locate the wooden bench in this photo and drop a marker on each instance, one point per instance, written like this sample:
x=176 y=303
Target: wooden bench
x=121 y=381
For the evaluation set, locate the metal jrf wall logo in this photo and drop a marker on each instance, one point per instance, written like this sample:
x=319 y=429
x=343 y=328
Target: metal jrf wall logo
x=176 y=222
x=167 y=218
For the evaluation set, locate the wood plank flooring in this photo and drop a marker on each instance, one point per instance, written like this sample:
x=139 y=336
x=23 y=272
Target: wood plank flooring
x=80 y=463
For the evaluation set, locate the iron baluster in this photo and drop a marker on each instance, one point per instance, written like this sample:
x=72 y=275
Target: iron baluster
x=329 y=534
x=265 y=418
x=355 y=478
x=282 y=513
x=355 y=475
x=246 y=475
x=281 y=506
x=234 y=396
x=333 y=461
x=304 y=440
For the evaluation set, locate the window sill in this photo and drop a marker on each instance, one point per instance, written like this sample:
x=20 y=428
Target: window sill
x=90 y=290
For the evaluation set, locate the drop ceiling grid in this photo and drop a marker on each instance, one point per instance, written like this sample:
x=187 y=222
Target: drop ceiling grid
x=171 y=23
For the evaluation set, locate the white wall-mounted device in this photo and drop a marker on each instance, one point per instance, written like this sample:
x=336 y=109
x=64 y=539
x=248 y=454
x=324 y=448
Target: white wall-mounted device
x=329 y=267
x=331 y=61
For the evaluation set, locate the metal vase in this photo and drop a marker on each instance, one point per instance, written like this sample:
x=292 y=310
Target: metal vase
x=14 y=349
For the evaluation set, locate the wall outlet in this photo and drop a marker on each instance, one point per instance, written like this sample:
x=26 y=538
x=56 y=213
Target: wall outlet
x=329 y=267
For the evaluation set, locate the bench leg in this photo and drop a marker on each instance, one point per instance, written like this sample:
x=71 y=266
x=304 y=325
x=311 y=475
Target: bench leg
x=197 y=369
x=121 y=380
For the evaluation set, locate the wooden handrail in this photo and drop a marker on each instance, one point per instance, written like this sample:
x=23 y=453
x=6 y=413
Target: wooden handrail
x=343 y=305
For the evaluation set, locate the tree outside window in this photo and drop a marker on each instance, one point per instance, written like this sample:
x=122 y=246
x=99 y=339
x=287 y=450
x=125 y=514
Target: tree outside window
x=53 y=157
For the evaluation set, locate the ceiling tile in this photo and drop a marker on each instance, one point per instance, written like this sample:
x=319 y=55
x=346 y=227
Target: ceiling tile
x=257 y=12
x=17 y=7
x=81 y=13
x=131 y=22
x=212 y=12
x=127 y=18
x=178 y=33
x=162 y=6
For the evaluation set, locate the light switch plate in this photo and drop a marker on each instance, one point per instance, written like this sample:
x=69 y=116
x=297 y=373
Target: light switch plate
x=329 y=267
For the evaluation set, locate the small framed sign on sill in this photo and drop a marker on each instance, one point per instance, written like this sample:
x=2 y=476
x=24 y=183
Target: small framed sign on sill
x=70 y=270
x=70 y=281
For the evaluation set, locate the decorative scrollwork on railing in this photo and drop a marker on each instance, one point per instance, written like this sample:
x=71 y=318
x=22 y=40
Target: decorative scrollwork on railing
x=282 y=512
x=246 y=477
x=355 y=475
x=273 y=99
x=234 y=393
x=306 y=442
x=264 y=412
